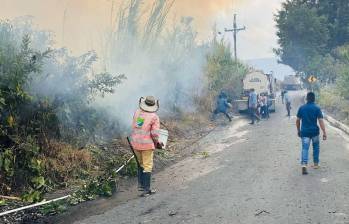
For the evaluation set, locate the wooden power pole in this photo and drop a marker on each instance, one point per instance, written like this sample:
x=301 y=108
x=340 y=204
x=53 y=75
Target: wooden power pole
x=235 y=31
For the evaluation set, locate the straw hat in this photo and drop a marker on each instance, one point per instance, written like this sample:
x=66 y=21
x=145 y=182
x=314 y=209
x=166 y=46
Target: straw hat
x=149 y=104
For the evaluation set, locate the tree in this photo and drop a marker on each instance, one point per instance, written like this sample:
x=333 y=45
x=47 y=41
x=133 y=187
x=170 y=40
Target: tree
x=302 y=34
x=309 y=33
x=223 y=73
x=337 y=13
x=343 y=80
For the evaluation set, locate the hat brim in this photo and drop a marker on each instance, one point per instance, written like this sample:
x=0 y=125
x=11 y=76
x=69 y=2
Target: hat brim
x=148 y=108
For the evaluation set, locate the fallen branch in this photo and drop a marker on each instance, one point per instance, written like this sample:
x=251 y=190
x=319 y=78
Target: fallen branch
x=10 y=198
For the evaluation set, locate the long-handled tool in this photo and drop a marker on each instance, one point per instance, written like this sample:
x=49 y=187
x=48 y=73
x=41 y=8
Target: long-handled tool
x=133 y=151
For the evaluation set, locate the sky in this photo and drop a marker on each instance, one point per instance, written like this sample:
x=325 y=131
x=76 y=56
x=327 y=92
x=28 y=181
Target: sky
x=80 y=24
x=259 y=38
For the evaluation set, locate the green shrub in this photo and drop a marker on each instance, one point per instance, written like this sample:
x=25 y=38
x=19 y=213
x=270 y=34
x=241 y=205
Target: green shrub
x=222 y=73
x=333 y=102
x=37 y=115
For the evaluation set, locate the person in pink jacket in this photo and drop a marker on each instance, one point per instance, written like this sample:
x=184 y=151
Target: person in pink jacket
x=145 y=139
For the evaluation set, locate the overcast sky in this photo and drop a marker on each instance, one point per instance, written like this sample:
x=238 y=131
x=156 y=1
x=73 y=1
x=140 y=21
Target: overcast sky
x=259 y=39
x=86 y=21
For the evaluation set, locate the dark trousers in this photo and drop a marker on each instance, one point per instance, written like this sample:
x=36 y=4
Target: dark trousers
x=253 y=114
x=223 y=112
x=265 y=111
x=288 y=108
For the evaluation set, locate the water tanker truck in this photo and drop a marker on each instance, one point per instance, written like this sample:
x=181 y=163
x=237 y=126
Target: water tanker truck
x=261 y=83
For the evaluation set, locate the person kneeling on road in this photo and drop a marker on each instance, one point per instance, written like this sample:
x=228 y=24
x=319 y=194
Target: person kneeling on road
x=144 y=139
x=308 y=130
x=222 y=106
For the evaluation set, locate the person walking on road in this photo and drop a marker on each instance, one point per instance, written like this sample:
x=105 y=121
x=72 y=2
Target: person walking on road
x=222 y=106
x=308 y=130
x=288 y=103
x=253 y=106
x=144 y=139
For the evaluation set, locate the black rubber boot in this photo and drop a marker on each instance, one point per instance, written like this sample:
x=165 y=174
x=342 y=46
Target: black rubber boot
x=147 y=190
x=304 y=170
x=140 y=179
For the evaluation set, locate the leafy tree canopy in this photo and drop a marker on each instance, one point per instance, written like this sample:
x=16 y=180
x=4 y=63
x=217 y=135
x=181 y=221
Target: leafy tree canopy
x=310 y=32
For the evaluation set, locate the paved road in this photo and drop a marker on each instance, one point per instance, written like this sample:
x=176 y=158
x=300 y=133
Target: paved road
x=251 y=175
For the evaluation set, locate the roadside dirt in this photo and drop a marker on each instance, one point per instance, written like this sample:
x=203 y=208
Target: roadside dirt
x=184 y=134
x=182 y=143
x=246 y=174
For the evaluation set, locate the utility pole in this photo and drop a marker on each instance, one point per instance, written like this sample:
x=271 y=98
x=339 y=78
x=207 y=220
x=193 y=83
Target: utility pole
x=63 y=25
x=235 y=31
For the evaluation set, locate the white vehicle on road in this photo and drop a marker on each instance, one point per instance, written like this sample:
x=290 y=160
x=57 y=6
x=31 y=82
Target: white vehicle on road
x=262 y=83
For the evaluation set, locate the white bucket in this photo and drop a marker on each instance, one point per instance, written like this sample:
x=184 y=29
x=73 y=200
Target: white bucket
x=163 y=137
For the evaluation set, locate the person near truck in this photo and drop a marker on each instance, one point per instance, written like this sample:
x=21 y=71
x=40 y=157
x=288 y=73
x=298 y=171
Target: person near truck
x=288 y=103
x=308 y=117
x=253 y=106
x=222 y=106
x=264 y=105
x=145 y=139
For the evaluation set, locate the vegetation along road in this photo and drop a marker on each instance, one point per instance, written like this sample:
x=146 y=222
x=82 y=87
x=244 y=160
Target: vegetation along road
x=69 y=88
x=248 y=174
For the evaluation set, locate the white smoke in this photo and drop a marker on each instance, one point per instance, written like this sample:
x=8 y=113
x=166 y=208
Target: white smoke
x=165 y=63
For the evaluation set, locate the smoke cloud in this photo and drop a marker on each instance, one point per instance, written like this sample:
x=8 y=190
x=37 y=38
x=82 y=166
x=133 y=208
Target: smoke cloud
x=165 y=64
x=80 y=24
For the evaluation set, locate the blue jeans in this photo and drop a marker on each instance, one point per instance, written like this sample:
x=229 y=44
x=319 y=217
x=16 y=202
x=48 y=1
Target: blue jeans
x=305 y=149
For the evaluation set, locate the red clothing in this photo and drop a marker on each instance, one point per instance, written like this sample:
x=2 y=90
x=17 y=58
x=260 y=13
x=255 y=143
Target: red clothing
x=145 y=130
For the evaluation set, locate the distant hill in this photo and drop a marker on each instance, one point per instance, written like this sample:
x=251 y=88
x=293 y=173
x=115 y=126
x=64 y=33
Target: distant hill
x=271 y=64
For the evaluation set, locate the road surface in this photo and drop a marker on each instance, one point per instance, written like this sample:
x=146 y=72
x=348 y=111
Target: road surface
x=247 y=174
